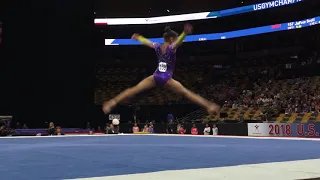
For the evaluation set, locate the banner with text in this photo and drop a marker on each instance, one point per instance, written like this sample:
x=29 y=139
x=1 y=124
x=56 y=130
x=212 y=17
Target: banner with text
x=227 y=35
x=284 y=129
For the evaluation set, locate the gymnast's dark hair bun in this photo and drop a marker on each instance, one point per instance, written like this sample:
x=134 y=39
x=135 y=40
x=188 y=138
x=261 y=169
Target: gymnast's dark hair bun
x=167 y=29
x=169 y=33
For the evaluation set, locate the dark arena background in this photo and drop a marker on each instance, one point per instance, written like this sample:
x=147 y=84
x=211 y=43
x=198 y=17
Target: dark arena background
x=61 y=60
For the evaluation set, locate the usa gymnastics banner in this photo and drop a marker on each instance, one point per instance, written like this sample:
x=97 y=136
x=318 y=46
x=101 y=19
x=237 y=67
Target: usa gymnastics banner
x=284 y=129
x=228 y=35
x=195 y=16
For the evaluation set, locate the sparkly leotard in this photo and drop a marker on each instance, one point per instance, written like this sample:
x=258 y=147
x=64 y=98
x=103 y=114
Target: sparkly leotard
x=166 y=64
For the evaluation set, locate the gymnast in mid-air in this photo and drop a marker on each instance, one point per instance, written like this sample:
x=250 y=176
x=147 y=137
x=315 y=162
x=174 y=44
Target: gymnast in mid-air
x=162 y=76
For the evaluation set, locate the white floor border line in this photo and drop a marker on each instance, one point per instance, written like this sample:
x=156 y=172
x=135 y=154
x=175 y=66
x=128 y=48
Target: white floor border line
x=176 y=135
x=241 y=137
x=290 y=170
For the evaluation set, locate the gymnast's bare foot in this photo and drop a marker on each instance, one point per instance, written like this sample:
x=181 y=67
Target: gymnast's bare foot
x=213 y=109
x=108 y=106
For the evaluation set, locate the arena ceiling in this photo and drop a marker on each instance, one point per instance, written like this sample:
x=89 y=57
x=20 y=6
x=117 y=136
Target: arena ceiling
x=143 y=8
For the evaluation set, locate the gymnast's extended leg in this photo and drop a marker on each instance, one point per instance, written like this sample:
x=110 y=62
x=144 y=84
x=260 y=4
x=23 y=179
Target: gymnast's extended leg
x=180 y=89
x=145 y=84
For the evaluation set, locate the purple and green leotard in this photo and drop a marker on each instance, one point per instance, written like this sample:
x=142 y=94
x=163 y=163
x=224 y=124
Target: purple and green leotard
x=166 y=64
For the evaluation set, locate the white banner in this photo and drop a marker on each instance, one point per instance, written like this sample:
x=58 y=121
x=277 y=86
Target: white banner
x=270 y=129
x=258 y=129
x=153 y=20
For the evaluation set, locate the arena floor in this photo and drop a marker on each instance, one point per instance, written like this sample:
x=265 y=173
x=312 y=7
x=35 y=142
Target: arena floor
x=158 y=157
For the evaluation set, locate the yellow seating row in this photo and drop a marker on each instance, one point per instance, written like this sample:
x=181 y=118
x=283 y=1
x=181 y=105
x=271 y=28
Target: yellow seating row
x=255 y=114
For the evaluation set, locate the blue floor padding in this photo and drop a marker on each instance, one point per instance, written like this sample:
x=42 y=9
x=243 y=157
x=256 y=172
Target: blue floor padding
x=79 y=157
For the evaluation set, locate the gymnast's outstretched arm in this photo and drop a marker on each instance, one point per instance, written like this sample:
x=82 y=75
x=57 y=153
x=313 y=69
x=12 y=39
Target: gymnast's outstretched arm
x=143 y=40
x=187 y=30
